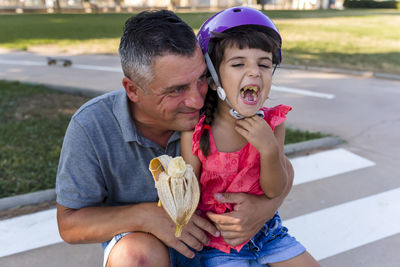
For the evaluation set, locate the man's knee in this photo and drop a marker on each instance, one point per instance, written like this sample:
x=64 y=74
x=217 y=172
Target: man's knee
x=139 y=249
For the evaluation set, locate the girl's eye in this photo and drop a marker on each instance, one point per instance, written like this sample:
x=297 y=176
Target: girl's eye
x=265 y=66
x=237 y=65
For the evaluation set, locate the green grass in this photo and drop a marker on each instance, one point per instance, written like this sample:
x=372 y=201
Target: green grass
x=296 y=136
x=353 y=39
x=33 y=120
x=25 y=30
x=30 y=138
x=369 y=42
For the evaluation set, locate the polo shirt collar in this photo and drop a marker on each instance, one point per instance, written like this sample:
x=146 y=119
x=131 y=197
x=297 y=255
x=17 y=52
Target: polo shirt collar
x=127 y=126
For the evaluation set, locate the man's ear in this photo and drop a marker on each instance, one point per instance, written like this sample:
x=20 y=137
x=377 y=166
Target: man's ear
x=211 y=83
x=131 y=89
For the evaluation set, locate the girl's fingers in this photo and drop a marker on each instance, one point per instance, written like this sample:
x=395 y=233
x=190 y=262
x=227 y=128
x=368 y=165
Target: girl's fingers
x=245 y=123
x=242 y=131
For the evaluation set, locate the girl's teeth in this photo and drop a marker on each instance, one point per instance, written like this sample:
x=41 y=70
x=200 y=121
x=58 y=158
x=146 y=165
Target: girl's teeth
x=253 y=92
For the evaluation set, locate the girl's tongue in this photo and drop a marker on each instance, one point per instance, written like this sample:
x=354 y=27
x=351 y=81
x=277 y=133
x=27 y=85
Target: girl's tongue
x=249 y=94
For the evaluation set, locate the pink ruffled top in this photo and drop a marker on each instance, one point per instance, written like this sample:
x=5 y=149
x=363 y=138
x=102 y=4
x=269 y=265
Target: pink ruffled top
x=230 y=172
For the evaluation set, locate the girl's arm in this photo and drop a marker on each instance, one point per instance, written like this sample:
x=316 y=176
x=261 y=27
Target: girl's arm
x=274 y=169
x=273 y=165
x=186 y=152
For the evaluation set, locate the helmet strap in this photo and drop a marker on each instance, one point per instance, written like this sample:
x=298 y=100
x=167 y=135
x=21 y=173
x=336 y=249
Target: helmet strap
x=212 y=70
x=276 y=65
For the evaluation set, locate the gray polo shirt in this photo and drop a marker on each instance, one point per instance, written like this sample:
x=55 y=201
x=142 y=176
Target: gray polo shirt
x=104 y=160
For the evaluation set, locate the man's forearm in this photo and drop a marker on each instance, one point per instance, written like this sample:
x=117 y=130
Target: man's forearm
x=99 y=224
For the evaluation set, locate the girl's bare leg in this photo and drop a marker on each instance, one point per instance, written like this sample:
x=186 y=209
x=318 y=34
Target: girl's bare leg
x=303 y=260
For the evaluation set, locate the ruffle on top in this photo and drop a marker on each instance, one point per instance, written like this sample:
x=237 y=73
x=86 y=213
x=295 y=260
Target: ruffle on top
x=230 y=172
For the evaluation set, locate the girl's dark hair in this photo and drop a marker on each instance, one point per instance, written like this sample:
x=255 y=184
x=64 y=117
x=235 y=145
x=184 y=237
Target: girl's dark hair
x=248 y=36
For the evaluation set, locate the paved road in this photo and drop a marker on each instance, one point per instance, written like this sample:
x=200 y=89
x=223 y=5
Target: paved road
x=344 y=204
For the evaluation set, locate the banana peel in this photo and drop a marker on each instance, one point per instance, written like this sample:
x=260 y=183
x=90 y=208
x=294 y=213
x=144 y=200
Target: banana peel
x=177 y=187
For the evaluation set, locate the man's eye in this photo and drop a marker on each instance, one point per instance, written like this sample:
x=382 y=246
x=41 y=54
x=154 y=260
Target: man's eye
x=177 y=91
x=202 y=79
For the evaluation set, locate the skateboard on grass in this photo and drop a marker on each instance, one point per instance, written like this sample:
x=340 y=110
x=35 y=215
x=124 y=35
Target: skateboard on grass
x=63 y=61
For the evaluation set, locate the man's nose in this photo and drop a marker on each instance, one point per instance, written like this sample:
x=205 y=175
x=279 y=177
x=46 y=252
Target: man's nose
x=194 y=98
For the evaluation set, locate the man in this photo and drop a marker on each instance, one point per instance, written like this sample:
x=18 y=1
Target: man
x=105 y=192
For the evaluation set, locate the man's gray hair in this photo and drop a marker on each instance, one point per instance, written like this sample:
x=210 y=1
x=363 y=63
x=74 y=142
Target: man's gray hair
x=148 y=35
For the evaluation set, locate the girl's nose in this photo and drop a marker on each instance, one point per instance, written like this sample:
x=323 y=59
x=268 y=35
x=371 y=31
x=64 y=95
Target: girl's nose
x=253 y=71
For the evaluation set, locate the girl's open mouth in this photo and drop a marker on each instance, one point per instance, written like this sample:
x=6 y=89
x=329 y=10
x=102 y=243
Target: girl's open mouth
x=249 y=94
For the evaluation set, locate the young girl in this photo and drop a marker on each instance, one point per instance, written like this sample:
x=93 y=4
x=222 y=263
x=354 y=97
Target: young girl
x=237 y=146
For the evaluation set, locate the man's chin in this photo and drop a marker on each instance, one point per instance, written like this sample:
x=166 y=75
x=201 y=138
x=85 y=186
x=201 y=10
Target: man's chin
x=186 y=125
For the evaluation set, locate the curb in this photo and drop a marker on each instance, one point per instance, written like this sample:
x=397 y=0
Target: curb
x=27 y=199
x=50 y=194
x=308 y=146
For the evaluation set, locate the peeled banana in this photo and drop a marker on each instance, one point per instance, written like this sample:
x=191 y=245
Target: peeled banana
x=177 y=187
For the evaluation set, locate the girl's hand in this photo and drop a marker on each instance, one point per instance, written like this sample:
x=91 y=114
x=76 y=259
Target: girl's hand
x=243 y=223
x=258 y=133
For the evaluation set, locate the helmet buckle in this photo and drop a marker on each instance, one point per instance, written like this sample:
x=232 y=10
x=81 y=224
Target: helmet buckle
x=221 y=93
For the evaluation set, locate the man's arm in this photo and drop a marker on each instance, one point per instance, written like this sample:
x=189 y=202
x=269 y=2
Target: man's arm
x=100 y=224
x=96 y=224
x=243 y=222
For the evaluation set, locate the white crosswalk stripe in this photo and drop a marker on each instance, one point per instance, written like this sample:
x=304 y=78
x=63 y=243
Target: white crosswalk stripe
x=340 y=228
x=325 y=232
x=326 y=164
x=301 y=92
x=27 y=232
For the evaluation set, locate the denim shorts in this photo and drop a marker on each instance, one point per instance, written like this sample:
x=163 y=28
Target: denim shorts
x=271 y=244
x=176 y=259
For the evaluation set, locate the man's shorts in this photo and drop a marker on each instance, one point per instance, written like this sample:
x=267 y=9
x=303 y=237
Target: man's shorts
x=177 y=259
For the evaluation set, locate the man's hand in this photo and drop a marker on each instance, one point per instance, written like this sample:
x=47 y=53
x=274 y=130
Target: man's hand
x=249 y=215
x=193 y=234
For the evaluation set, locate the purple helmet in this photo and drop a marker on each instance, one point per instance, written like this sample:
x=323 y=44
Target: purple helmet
x=230 y=18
